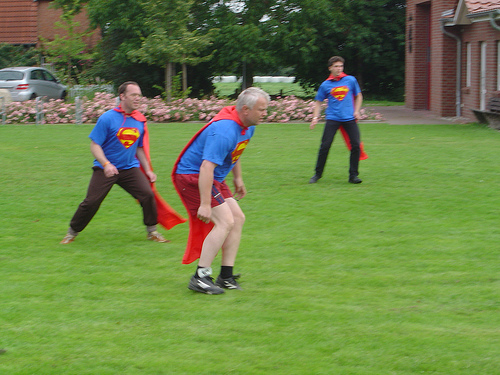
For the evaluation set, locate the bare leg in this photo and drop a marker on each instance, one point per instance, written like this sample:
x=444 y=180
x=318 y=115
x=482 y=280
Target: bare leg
x=232 y=243
x=228 y=219
x=222 y=217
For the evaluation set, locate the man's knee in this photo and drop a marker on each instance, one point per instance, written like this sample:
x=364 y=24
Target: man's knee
x=226 y=224
x=239 y=218
x=91 y=203
x=146 y=196
x=236 y=220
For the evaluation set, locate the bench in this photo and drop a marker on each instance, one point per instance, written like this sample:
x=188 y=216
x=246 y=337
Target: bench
x=491 y=116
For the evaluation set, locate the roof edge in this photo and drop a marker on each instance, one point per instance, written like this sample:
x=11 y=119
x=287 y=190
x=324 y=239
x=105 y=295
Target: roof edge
x=461 y=18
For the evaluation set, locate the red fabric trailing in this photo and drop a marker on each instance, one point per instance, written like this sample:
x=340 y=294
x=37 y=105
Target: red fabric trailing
x=167 y=216
x=362 y=155
x=198 y=230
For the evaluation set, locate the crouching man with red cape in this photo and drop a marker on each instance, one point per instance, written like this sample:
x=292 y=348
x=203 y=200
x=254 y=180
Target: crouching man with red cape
x=199 y=176
x=120 y=146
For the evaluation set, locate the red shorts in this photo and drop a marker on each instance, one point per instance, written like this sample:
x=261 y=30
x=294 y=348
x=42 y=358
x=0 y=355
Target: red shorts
x=187 y=187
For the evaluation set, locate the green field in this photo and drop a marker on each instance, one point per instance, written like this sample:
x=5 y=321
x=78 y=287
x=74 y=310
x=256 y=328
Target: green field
x=224 y=89
x=397 y=275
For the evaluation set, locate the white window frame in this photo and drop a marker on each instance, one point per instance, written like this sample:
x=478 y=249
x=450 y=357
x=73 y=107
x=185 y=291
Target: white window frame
x=482 y=76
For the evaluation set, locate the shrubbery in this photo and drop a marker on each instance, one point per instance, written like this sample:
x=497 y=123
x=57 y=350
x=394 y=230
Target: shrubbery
x=282 y=110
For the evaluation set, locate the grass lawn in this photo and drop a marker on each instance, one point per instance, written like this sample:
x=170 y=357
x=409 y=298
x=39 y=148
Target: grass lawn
x=273 y=88
x=397 y=275
x=225 y=89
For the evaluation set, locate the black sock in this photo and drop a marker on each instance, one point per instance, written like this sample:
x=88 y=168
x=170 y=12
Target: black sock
x=226 y=272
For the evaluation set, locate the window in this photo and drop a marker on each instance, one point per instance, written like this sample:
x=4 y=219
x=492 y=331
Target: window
x=37 y=74
x=48 y=77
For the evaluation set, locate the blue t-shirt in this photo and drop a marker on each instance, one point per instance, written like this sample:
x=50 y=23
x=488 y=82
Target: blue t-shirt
x=221 y=143
x=340 y=95
x=119 y=136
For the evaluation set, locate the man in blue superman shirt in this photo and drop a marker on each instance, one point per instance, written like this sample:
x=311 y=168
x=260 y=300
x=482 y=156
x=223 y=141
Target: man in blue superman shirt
x=199 y=176
x=343 y=111
x=118 y=143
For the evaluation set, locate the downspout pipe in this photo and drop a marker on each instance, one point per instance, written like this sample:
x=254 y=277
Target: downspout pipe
x=458 y=96
x=492 y=19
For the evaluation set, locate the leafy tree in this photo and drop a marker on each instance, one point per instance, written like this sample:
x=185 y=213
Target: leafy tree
x=139 y=35
x=65 y=51
x=169 y=40
x=309 y=36
x=255 y=36
x=11 y=55
x=376 y=43
x=69 y=6
x=245 y=34
x=121 y=25
x=369 y=34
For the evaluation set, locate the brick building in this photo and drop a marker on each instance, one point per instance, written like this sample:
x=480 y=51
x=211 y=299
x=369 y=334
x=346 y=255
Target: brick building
x=24 y=22
x=452 y=55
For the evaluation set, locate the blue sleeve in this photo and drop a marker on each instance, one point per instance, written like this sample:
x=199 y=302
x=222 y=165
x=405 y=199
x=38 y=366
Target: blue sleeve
x=217 y=147
x=99 y=133
x=322 y=93
x=356 y=88
x=141 y=140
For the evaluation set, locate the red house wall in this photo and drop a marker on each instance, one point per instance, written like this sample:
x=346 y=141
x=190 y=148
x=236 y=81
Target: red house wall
x=431 y=60
x=47 y=17
x=18 y=22
x=475 y=34
x=26 y=21
x=417 y=55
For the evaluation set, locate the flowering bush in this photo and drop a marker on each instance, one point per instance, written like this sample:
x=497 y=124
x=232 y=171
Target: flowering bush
x=282 y=110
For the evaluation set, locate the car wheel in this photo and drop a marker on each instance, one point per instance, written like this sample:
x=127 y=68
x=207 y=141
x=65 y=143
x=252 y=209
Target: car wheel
x=63 y=95
x=33 y=96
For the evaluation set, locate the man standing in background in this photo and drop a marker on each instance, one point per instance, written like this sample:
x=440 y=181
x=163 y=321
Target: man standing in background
x=343 y=111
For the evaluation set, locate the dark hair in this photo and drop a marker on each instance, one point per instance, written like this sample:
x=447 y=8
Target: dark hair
x=123 y=87
x=334 y=59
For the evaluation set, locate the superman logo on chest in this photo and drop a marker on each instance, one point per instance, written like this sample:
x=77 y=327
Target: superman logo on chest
x=128 y=136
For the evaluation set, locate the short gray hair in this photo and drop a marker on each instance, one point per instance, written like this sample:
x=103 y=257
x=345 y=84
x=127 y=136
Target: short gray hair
x=250 y=96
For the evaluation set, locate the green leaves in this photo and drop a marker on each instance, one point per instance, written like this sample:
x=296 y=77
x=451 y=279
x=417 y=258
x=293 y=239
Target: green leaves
x=248 y=37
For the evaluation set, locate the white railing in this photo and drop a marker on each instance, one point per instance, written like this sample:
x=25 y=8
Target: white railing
x=82 y=90
x=257 y=79
x=2 y=109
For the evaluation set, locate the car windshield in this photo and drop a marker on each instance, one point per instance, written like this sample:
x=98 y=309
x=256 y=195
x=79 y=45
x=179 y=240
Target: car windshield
x=11 y=76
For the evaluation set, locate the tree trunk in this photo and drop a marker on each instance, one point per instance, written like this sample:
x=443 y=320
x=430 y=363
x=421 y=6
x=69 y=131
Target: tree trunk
x=168 y=81
x=359 y=76
x=184 y=78
x=247 y=76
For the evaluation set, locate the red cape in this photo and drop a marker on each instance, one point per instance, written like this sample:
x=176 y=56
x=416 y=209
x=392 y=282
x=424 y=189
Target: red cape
x=347 y=140
x=198 y=230
x=167 y=216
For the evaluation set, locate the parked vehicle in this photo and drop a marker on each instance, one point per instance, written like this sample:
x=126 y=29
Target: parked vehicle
x=25 y=83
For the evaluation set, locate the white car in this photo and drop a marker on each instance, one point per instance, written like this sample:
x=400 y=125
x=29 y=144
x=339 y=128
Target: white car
x=25 y=83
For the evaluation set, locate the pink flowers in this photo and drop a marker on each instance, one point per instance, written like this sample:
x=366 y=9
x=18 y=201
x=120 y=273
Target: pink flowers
x=281 y=110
